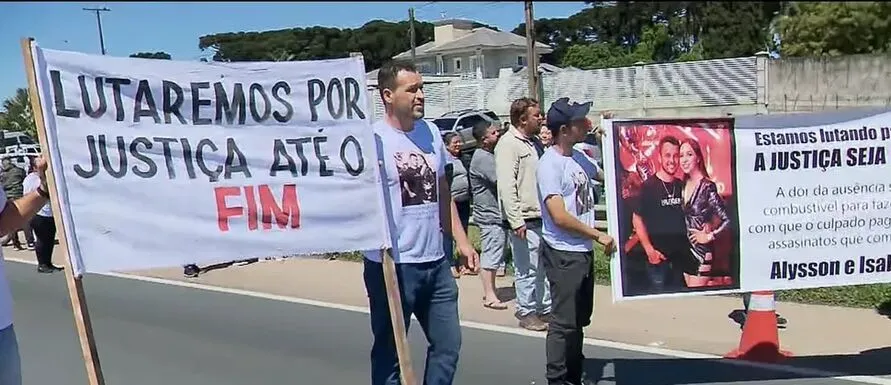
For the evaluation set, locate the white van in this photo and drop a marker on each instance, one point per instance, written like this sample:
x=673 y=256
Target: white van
x=20 y=159
x=18 y=142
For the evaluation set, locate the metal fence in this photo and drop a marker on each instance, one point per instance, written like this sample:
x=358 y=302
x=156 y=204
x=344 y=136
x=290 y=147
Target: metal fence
x=706 y=83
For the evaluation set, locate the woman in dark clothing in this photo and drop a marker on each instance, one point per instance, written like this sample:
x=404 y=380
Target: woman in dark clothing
x=702 y=206
x=43 y=224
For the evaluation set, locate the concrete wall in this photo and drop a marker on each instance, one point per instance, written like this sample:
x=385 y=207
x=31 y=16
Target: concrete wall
x=815 y=84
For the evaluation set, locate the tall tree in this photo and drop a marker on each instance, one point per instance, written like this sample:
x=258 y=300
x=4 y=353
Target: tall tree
x=152 y=55
x=733 y=29
x=377 y=40
x=612 y=32
x=835 y=28
x=16 y=114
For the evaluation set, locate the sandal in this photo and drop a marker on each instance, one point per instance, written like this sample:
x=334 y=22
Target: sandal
x=495 y=305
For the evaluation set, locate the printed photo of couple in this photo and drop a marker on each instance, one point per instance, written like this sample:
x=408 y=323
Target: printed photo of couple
x=678 y=226
x=416 y=178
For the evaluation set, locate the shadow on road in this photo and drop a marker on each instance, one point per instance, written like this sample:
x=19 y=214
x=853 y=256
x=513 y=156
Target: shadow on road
x=678 y=371
x=505 y=294
x=224 y=265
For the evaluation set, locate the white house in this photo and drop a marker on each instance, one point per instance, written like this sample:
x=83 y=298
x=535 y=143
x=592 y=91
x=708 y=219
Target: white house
x=458 y=49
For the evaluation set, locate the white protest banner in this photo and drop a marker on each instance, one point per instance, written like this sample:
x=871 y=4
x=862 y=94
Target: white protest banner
x=699 y=207
x=164 y=163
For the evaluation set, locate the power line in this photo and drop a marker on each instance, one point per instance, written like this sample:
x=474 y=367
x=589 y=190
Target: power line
x=99 y=23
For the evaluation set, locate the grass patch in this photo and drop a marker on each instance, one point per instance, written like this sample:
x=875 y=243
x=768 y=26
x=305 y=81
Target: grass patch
x=877 y=296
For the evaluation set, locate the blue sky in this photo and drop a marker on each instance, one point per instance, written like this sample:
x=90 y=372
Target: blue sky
x=174 y=27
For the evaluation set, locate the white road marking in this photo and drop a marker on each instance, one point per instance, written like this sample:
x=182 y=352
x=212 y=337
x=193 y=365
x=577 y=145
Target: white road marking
x=804 y=372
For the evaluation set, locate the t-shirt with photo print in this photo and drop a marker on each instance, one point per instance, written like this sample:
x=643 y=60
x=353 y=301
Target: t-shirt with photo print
x=413 y=162
x=570 y=178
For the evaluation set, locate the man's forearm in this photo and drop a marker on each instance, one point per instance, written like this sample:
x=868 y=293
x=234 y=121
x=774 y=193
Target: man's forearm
x=506 y=186
x=446 y=207
x=641 y=230
x=567 y=222
x=571 y=224
x=20 y=211
x=511 y=205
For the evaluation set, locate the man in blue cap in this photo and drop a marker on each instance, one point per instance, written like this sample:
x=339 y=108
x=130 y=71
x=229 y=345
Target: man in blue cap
x=566 y=193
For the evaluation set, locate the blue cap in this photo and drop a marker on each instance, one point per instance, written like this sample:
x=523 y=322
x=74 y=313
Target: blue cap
x=563 y=113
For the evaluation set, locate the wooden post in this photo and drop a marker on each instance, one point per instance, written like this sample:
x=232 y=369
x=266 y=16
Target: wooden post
x=411 y=32
x=531 y=56
x=397 y=319
x=75 y=285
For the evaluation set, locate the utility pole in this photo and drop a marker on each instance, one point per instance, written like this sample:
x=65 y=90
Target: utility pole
x=99 y=23
x=531 y=57
x=411 y=31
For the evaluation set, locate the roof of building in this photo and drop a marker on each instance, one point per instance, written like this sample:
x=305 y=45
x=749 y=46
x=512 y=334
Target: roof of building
x=481 y=37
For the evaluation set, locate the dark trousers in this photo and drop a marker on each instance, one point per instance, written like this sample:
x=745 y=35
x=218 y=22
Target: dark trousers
x=449 y=242
x=45 y=230
x=463 y=213
x=572 y=302
x=428 y=291
x=29 y=233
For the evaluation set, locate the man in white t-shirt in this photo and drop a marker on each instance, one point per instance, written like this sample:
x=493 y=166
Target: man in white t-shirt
x=13 y=216
x=412 y=154
x=567 y=199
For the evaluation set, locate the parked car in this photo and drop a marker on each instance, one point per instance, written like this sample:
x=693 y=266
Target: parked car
x=20 y=159
x=17 y=142
x=462 y=122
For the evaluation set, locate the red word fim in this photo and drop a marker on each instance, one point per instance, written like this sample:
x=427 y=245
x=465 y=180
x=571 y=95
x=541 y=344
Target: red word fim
x=260 y=206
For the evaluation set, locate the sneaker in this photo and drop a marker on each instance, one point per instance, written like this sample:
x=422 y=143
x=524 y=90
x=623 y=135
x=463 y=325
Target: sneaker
x=531 y=322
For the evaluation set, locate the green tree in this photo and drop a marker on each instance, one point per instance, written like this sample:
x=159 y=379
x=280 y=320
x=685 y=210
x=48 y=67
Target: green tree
x=377 y=40
x=835 y=28
x=670 y=31
x=733 y=29
x=655 y=43
x=152 y=55
x=16 y=114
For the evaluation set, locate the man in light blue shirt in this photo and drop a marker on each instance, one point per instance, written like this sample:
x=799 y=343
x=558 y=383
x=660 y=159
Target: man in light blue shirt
x=422 y=214
x=566 y=193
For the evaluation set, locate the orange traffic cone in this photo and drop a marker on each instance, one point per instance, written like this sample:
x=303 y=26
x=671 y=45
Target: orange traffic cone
x=760 y=339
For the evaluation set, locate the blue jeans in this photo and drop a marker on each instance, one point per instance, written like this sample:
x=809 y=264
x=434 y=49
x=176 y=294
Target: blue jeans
x=660 y=276
x=10 y=362
x=428 y=291
x=530 y=280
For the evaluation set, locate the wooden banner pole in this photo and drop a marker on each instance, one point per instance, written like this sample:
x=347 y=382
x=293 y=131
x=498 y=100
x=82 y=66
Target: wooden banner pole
x=397 y=318
x=391 y=282
x=75 y=284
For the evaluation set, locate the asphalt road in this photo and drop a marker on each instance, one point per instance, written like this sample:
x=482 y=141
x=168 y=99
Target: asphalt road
x=150 y=334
